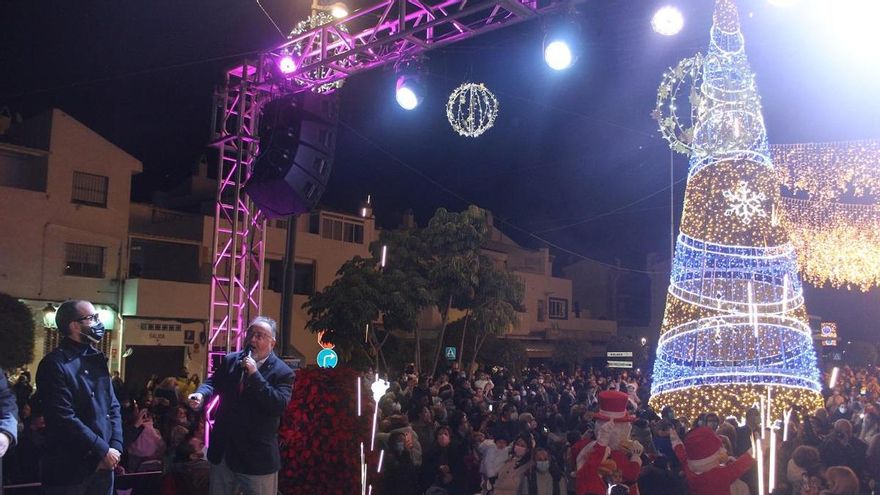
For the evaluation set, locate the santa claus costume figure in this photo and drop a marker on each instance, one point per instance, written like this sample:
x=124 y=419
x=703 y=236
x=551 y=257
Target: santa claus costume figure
x=706 y=465
x=613 y=457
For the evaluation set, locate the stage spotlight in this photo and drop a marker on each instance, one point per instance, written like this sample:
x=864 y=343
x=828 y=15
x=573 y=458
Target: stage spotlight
x=409 y=90
x=339 y=11
x=562 y=42
x=286 y=64
x=558 y=55
x=667 y=21
x=408 y=93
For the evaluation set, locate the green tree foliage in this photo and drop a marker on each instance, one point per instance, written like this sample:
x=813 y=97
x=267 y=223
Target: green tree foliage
x=438 y=266
x=497 y=300
x=16 y=333
x=453 y=242
x=347 y=305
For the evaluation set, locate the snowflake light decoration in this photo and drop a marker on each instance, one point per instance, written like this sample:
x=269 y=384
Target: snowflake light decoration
x=745 y=203
x=471 y=109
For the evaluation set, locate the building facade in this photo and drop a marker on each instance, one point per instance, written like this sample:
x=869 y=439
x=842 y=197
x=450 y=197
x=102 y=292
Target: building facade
x=551 y=314
x=64 y=198
x=74 y=233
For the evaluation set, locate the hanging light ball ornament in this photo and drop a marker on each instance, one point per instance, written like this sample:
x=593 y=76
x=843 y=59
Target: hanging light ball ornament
x=471 y=109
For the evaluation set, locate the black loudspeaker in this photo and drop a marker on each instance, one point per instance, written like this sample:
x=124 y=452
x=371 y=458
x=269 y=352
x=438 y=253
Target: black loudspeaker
x=297 y=142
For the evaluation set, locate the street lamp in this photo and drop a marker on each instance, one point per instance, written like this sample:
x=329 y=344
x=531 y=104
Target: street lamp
x=49 y=315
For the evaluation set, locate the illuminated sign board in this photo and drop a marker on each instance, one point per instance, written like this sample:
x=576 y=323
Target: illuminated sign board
x=620 y=364
x=828 y=333
x=618 y=354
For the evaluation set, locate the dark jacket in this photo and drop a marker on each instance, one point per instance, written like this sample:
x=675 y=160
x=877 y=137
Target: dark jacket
x=82 y=414
x=246 y=423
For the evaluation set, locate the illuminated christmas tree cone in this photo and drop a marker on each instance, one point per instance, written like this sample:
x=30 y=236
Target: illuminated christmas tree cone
x=735 y=323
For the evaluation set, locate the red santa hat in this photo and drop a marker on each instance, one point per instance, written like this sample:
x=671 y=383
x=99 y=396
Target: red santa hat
x=612 y=407
x=702 y=446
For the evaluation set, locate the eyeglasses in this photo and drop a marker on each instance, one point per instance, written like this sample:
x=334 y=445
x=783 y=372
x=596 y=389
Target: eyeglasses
x=95 y=318
x=259 y=335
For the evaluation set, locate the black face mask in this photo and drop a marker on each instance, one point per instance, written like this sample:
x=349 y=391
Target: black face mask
x=95 y=332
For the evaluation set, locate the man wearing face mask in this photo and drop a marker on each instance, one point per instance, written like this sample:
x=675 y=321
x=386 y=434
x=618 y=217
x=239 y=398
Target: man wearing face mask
x=254 y=387
x=83 y=420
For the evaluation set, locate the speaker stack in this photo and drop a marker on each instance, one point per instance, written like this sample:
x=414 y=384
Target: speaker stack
x=297 y=142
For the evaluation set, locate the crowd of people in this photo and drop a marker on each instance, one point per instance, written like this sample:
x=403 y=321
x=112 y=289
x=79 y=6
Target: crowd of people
x=592 y=432
x=160 y=433
x=542 y=432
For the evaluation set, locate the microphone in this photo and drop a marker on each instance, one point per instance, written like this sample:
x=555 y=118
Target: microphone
x=249 y=352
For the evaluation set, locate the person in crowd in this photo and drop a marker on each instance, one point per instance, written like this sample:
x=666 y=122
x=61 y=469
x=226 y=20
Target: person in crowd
x=177 y=428
x=254 y=387
x=189 y=474
x=29 y=450
x=841 y=480
x=705 y=465
x=543 y=477
x=23 y=389
x=8 y=420
x=444 y=465
x=424 y=426
x=842 y=449
x=146 y=449
x=804 y=461
x=165 y=401
x=869 y=424
x=613 y=442
x=401 y=474
x=400 y=424
x=511 y=474
x=657 y=479
x=83 y=420
x=494 y=452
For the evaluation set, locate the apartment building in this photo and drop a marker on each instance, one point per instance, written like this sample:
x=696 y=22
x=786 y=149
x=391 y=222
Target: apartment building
x=64 y=206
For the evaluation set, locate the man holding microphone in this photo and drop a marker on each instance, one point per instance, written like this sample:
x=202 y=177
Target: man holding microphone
x=254 y=387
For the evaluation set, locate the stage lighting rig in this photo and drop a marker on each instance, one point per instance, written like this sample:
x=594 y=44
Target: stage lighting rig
x=667 y=21
x=337 y=9
x=562 y=42
x=409 y=87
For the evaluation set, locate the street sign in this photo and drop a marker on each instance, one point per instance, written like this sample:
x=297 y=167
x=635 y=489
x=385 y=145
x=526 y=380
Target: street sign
x=611 y=354
x=450 y=353
x=620 y=364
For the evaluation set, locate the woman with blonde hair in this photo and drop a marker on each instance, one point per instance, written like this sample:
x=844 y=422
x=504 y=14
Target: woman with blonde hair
x=841 y=481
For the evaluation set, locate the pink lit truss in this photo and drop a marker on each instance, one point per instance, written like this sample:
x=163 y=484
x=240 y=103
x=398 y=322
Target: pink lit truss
x=389 y=30
x=383 y=32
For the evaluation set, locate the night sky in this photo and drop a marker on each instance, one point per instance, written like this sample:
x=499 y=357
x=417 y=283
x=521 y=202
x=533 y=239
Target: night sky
x=574 y=157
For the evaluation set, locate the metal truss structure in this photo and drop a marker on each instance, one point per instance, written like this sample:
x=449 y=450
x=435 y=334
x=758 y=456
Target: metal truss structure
x=382 y=33
x=391 y=30
x=239 y=228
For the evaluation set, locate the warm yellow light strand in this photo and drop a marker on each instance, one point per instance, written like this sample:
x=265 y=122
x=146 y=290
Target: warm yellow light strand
x=828 y=171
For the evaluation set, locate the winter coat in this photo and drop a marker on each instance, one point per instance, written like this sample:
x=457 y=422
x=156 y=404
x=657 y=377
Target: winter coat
x=83 y=420
x=510 y=477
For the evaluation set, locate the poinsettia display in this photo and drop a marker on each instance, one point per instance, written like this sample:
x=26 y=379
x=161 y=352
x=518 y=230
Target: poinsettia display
x=321 y=433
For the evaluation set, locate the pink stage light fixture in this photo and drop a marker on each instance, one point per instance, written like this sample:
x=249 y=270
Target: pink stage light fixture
x=286 y=65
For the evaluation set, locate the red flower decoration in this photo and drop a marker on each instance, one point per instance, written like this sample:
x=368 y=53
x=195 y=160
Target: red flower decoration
x=321 y=432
